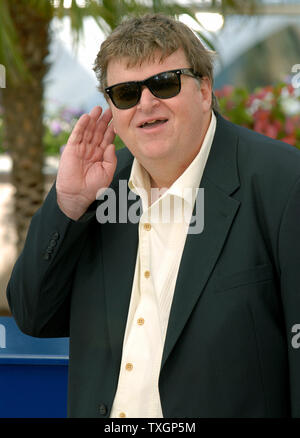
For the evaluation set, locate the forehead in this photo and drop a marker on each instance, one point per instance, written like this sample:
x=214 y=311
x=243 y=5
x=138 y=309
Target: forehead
x=122 y=70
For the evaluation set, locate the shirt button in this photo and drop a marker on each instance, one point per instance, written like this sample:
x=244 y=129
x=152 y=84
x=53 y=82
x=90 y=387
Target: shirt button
x=140 y=321
x=122 y=415
x=147 y=227
x=129 y=366
x=147 y=274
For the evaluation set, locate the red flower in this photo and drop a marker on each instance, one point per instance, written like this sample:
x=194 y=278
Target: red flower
x=226 y=91
x=290 y=139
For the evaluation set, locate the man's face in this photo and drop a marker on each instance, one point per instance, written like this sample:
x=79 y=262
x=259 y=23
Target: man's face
x=183 y=119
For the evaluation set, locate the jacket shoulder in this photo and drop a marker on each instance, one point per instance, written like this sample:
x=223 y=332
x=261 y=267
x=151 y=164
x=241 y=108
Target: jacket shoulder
x=259 y=153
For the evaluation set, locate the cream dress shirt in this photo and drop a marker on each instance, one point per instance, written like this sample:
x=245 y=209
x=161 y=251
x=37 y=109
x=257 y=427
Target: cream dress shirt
x=162 y=231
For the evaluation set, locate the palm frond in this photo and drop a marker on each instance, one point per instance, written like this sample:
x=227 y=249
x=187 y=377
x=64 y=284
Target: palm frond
x=106 y=13
x=10 y=56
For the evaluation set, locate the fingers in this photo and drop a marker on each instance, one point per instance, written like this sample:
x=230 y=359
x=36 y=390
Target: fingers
x=103 y=133
x=96 y=112
x=109 y=160
x=84 y=124
x=94 y=129
x=79 y=129
x=90 y=130
x=106 y=117
x=109 y=136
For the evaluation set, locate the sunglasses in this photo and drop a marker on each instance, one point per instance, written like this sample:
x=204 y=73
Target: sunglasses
x=163 y=85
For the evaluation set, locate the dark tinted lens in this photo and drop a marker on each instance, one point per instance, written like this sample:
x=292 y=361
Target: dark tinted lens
x=164 y=85
x=125 y=95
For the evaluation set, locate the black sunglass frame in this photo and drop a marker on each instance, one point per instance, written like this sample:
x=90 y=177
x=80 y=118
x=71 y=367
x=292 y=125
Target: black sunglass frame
x=139 y=84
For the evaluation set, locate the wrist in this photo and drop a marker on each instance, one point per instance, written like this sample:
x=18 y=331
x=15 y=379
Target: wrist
x=71 y=206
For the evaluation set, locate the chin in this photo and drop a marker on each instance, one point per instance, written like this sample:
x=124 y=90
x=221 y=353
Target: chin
x=155 y=156
x=156 y=150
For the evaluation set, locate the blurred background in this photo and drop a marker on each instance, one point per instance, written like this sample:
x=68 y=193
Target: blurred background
x=47 y=51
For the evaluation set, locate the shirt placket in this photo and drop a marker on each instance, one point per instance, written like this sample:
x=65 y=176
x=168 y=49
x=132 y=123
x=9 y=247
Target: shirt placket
x=142 y=353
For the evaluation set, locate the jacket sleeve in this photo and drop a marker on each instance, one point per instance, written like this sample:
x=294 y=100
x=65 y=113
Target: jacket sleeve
x=40 y=286
x=289 y=257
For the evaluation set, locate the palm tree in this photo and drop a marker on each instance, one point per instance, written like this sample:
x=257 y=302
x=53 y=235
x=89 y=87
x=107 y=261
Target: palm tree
x=22 y=103
x=24 y=43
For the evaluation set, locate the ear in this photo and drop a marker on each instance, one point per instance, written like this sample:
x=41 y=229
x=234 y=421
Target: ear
x=206 y=90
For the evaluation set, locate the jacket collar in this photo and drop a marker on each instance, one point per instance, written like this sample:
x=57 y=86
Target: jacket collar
x=222 y=167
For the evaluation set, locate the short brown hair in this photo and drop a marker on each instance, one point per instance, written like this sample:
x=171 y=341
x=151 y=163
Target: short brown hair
x=138 y=39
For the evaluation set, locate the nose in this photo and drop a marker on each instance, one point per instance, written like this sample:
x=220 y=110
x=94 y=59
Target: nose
x=147 y=100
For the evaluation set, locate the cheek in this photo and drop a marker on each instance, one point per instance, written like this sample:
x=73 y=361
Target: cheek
x=121 y=121
x=189 y=106
x=118 y=124
x=185 y=115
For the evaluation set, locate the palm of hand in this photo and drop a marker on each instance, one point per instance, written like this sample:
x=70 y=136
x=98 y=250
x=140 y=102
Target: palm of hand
x=88 y=161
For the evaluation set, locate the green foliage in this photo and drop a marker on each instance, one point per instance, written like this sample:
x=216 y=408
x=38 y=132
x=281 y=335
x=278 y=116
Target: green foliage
x=233 y=104
x=118 y=143
x=107 y=14
x=273 y=110
x=58 y=129
x=10 y=55
x=54 y=143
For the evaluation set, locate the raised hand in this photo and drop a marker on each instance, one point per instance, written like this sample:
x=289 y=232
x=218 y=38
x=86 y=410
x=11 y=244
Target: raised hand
x=87 y=164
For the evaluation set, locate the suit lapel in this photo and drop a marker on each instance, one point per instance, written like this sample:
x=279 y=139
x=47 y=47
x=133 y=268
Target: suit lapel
x=120 y=242
x=201 y=251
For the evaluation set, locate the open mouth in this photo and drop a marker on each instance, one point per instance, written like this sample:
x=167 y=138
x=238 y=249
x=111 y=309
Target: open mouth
x=152 y=123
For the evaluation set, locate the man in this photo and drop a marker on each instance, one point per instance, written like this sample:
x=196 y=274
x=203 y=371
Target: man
x=164 y=321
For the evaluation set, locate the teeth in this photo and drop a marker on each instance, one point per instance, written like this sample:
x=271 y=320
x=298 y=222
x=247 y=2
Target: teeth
x=151 y=122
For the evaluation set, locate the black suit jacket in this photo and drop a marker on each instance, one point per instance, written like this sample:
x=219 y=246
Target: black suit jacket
x=231 y=346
